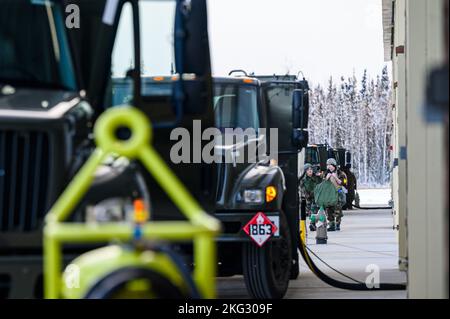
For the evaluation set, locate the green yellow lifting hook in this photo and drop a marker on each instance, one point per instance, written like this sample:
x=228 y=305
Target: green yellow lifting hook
x=200 y=227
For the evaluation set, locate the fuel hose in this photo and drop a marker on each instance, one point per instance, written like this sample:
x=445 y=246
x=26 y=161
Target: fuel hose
x=371 y=208
x=334 y=282
x=356 y=205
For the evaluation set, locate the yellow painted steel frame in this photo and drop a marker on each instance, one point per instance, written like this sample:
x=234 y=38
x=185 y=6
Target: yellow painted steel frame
x=303 y=231
x=200 y=227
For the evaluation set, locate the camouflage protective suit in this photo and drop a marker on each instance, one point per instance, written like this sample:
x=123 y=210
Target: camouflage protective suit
x=334 y=213
x=307 y=186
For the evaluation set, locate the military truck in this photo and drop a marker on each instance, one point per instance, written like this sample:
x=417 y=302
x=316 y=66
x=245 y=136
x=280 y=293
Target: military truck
x=250 y=185
x=279 y=103
x=46 y=115
x=44 y=129
x=50 y=96
x=317 y=155
x=340 y=156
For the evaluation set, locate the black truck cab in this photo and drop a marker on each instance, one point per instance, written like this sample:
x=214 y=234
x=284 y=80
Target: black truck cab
x=43 y=125
x=46 y=122
x=264 y=103
x=252 y=172
x=245 y=169
x=46 y=117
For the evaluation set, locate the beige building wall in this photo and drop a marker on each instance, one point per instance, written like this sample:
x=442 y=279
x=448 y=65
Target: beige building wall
x=418 y=181
x=425 y=164
x=399 y=76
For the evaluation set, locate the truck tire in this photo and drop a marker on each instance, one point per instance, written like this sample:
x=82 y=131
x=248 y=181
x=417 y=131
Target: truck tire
x=295 y=271
x=267 y=269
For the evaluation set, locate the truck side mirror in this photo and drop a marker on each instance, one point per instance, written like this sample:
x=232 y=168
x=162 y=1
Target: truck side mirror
x=300 y=114
x=348 y=160
x=193 y=89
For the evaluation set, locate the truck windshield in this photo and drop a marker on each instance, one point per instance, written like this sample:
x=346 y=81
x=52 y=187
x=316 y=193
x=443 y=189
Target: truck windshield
x=34 y=50
x=312 y=156
x=236 y=106
x=122 y=89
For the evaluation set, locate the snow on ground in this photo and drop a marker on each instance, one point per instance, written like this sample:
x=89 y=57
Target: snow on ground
x=375 y=196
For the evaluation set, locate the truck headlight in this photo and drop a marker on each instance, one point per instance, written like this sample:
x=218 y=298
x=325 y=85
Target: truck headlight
x=254 y=196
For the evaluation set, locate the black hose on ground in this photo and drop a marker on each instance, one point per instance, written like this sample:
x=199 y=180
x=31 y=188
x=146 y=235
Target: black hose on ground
x=341 y=284
x=371 y=208
x=345 y=285
x=367 y=208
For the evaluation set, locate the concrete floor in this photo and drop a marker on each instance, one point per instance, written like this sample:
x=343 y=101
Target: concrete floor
x=366 y=238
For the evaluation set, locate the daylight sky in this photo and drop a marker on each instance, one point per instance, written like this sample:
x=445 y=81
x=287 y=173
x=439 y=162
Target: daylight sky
x=319 y=37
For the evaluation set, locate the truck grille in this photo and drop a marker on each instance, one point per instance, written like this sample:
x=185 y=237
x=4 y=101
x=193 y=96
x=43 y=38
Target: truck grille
x=24 y=175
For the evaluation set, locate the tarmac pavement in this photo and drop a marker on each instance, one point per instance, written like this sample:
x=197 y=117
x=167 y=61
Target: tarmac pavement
x=366 y=241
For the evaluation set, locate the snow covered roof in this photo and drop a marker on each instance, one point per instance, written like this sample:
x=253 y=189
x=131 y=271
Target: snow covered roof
x=388 y=28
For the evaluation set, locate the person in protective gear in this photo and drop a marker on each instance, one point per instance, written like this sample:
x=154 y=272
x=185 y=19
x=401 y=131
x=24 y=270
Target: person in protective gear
x=308 y=182
x=351 y=186
x=336 y=177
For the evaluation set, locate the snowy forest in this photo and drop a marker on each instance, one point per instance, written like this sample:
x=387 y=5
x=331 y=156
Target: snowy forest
x=357 y=115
